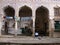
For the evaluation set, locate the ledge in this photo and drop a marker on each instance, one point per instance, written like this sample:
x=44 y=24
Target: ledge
x=28 y=40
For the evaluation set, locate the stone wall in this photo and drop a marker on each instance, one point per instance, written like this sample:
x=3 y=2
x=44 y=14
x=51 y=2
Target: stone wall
x=33 y=4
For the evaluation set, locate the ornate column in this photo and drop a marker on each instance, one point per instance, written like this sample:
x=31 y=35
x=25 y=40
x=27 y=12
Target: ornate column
x=16 y=23
x=51 y=27
x=33 y=18
x=1 y=21
x=51 y=21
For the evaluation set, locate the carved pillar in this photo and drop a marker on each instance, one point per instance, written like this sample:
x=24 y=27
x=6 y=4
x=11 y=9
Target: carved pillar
x=1 y=21
x=16 y=23
x=33 y=18
x=51 y=27
x=51 y=21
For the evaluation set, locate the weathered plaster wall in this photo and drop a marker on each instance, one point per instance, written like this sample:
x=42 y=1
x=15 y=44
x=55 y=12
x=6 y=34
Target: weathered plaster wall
x=33 y=4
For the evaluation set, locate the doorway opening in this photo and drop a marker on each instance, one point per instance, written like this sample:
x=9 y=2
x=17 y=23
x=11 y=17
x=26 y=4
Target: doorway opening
x=9 y=21
x=25 y=23
x=42 y=21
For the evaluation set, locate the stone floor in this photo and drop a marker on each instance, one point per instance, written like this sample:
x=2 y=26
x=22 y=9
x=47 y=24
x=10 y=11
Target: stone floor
x=23 y=40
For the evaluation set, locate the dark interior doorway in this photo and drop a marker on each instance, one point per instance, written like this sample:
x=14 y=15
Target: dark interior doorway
x=9 y=18
x=25 y=11
x=42 y=21
x=9 y=11
x=25 y=14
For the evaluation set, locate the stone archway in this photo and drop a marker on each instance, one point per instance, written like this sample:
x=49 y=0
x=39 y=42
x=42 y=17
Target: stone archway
x=25 y=14
x=42 y=21
x=9 y=19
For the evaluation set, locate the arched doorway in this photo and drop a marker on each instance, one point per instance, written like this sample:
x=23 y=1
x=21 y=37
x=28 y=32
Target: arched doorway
x=42 y=21
x=25 y=14
x=9 y=20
